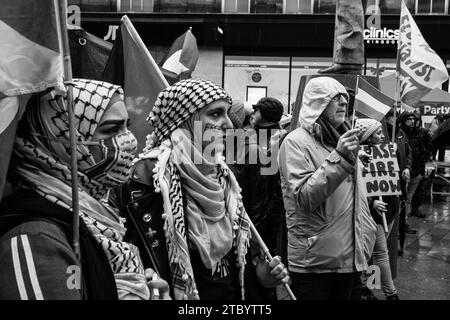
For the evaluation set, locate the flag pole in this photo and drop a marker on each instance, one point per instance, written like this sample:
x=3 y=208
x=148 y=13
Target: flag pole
x=356 y=92
x=139 y=41
x=397 y=90
x=64 y=38
x=266 y=251
x=397 y=76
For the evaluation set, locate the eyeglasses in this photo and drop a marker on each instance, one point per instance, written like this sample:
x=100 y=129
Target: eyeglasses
x=337 y=98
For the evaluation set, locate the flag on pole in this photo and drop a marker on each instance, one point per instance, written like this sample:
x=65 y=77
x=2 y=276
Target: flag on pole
x=30 y=61
x=182 y=58
x=420 y=67
x=370 y=102
x=88 y=53
x=30 y=54
x=131 y=66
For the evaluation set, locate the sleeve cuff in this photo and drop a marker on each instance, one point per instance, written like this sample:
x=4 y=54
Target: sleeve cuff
x=347 y=162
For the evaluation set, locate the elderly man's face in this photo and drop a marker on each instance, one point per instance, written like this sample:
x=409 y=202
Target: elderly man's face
x=336 y=110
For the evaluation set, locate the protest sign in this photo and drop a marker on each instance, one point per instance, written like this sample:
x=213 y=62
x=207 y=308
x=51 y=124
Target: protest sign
x=381 y=175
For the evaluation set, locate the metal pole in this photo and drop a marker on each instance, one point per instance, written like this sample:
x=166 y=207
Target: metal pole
x=72 y=138
x=289 y=86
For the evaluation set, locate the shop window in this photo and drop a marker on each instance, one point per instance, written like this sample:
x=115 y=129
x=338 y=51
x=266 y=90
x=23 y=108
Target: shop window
x=433 y=7
x=384 y=70
x=204 y=6
x=297 y=6
x=135 y=5
x=174 y=6
x=95 y=5
x=255 y=93
x=438 y=6
x=325 y=6
x=249 y=78
x=266 y=6
x=235 y=6
x=387 y=6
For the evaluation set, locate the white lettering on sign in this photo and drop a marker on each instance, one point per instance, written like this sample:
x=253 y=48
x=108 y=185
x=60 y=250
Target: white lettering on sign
x=435 y=111
x=381 y=175
x=374 y=33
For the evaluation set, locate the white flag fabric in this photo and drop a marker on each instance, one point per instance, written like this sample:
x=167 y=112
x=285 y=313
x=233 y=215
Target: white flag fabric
x=421 y=68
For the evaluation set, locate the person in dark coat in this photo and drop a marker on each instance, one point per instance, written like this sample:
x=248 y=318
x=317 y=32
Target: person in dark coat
x=421 y=149
x=404 y=158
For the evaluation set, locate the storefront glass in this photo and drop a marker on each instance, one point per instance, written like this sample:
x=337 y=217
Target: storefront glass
x=384 y=70
x=302 y=66
x=256 y=6
x=251 y=78
x=324 y=6
x=266 y=6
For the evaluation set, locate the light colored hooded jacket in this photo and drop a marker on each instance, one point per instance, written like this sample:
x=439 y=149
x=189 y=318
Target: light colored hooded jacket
x=328 y=219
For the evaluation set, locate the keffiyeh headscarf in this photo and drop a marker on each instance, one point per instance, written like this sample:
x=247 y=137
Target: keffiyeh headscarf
x=42 y=158
x=206 y=195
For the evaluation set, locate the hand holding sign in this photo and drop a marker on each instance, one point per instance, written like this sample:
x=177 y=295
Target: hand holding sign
x=364 y=157
x=406 y=175
x=379 y=206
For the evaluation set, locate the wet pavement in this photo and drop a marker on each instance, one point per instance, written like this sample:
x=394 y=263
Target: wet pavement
x=423 y=272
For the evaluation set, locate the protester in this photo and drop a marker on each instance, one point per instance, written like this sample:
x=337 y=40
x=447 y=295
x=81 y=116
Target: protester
x=205 y=226
x=330 y=231
x=371 y=133
x=266 y=122
x=404 y=158
x=259 y=184
x=37 y=260
x=421 y=150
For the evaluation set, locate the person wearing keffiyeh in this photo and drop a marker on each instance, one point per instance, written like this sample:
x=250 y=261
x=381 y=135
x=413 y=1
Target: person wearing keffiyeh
x=36 y=258
x=206 y=228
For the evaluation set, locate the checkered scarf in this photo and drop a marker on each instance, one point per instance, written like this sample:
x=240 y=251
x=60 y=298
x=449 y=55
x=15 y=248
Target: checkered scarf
x=42 y=158
x=174 y=106
x=177 y=103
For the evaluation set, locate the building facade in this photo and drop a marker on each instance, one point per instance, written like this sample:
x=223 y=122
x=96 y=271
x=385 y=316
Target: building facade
x=258 y=48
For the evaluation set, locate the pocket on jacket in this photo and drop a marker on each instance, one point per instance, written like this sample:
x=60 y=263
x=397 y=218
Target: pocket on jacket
x=325 y=250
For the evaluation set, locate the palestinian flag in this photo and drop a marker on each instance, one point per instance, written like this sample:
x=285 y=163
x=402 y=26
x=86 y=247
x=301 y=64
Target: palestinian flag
x=182 y=58
x=131 y=66
x=88 y=53
x=30 y=61
x=370 y=102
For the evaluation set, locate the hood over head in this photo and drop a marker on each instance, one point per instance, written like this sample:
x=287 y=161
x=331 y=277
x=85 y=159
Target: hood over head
x=316 y=97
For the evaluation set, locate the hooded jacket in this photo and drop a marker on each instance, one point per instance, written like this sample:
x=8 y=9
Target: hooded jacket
x=328 y=219
x=420 y=142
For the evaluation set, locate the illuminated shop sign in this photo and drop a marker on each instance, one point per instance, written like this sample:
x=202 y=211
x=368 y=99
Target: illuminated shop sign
x=381 y=36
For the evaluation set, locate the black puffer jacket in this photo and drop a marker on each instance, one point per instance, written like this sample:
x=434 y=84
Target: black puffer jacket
x=420 y=141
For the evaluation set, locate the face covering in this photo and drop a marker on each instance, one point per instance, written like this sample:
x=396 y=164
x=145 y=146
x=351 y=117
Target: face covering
x=117 y=157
